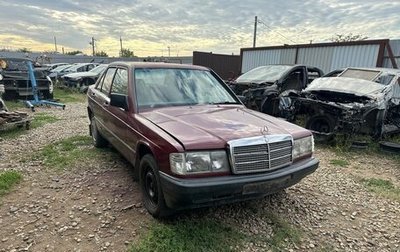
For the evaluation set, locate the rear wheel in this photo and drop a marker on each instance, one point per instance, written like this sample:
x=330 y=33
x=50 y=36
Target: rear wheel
x=153 y=197
x=98 y=140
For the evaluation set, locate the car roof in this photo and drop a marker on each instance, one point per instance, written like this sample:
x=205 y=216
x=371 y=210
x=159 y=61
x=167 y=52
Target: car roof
x=381 y=69
x=139 y=64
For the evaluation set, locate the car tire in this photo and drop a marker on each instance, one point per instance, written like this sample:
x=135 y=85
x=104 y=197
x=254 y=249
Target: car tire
x=390 y=147
x=321 y=123
x=98 y=140
x=150 y=185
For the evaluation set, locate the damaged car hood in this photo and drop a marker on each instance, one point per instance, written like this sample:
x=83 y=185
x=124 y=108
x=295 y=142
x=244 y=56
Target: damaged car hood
x=81 y=74
x=352 y=86
x=211 y=126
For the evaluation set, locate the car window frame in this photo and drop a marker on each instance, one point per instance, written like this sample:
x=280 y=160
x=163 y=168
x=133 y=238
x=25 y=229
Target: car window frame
x=112 y=79
x=127 y=80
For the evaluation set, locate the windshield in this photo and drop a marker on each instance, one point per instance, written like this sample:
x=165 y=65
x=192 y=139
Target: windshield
x=60 y=68
x=14 y=64
x=370 y=75
x=73 y=68
x=176 y=87
x=99 y=69
x=263 y=74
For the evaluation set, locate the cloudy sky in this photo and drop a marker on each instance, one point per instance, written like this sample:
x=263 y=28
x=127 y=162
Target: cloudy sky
x=150 y=27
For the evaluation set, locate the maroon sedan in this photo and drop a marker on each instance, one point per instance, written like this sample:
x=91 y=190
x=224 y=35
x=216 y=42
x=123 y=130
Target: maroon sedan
x=191 y=140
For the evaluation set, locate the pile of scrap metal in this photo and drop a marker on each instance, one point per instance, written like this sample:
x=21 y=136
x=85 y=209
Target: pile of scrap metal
x=358 y=100
x=259 y=88
x=10 y=119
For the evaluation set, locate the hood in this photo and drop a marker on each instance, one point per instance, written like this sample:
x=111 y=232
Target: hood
x=352 y=86
x=80 y=74
x=211 y=126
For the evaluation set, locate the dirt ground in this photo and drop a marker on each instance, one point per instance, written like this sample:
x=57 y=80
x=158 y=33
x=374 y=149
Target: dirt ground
x=96 y=206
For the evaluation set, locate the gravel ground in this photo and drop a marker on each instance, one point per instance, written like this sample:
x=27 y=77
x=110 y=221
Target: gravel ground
x=97 y=206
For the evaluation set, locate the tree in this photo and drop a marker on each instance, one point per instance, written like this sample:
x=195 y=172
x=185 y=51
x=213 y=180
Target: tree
x=126 y=53
x=73 y=52
x=101 y=54
x=348 y=37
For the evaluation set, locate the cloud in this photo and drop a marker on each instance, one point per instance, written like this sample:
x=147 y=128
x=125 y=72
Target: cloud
x=150 y=27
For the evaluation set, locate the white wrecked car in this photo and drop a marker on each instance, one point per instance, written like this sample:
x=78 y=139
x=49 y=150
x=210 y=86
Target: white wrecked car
x=359 y=100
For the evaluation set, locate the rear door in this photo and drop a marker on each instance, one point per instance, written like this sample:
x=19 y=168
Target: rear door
x=100 y=102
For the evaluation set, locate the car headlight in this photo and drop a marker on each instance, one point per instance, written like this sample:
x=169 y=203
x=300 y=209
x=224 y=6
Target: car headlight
x=199 y=162
x=303 y=147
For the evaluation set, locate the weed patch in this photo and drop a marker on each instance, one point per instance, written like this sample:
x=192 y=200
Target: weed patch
x=188 y=235
x=283 y=233
x=7 y=180
x=68 y=152
x=39 y=119
x=68 y=95
x=382 y=187
x=339 y=162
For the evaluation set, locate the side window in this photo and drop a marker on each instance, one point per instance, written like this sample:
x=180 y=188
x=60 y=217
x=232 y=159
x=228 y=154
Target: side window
x=90 y=67
x=294 y=81
x=100 y=83
x=120 y=83
x=81 y=69
x=107 y=81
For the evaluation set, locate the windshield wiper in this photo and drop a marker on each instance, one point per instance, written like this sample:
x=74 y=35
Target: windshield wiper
x=225 y=102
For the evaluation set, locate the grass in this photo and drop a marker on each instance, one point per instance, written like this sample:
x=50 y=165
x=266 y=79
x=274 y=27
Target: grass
x=342 y=147
x=189 y=235
x=68 y=95
x=15 y=105
x=68 y=152
x=283 y=233
x=208 y=234
x=339 y=162
x=39 y=120
x=7 y=180
x=382 y=187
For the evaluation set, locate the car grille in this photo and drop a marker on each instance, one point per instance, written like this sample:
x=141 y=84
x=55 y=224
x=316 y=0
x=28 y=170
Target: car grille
x=260 y=154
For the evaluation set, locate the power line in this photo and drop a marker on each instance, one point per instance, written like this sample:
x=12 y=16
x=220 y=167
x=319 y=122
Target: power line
x=261 y=22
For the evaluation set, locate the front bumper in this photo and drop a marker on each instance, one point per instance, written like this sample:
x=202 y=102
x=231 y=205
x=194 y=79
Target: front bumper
x=193 y=193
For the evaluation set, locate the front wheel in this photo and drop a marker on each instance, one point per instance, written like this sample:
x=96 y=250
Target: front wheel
x=153 y=197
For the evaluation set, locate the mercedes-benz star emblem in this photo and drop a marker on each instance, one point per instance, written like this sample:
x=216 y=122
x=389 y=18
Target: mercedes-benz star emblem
x=264 y=130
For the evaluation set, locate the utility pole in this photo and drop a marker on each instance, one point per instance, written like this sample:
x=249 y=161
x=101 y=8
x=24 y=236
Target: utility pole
x=169 y=51
x=255 y=31
x=92 y=43
x=55 y=43
x=120 y=42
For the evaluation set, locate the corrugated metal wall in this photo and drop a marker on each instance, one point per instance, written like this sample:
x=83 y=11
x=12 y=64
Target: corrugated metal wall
x=226 y=66
x=327 y=56
x=252 y=59
x=395 y=45
x=63 y=58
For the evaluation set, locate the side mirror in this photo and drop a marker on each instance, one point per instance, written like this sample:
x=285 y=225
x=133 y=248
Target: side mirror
x=119 y=100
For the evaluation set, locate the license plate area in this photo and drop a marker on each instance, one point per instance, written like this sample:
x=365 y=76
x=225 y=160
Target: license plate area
x=264 y=187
